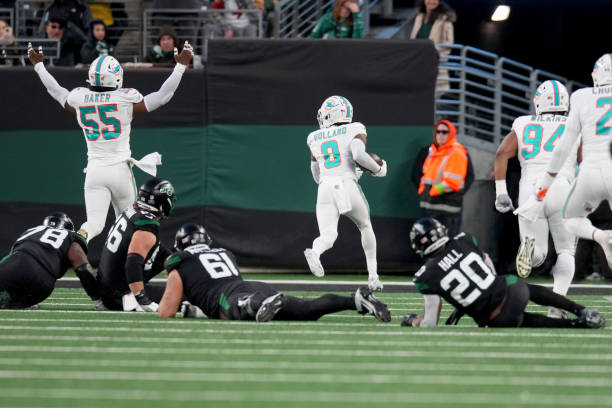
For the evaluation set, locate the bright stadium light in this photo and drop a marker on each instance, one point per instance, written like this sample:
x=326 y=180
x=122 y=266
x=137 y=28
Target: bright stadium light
x=501 y=13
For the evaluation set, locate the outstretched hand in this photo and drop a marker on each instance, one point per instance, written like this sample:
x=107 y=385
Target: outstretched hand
x=35 y=57
x=186 y=54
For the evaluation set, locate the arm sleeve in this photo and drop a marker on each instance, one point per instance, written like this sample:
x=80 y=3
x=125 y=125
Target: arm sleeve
x=432 y=305
x=572 y=130
x=56 y=91
x=314 y=169
x=361 y=157
x=160 y=98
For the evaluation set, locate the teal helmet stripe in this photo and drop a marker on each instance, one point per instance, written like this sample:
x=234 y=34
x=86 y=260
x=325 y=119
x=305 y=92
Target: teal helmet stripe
x=556 y=90
x=348 y=106
x=98 y=70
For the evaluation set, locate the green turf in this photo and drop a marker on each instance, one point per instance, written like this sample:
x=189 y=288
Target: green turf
x=65 y=355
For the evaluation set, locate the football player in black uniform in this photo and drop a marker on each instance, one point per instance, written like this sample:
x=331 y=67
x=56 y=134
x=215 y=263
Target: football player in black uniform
x=464 y=276
x=39 y=257
x=133 y=254
x=210 y=281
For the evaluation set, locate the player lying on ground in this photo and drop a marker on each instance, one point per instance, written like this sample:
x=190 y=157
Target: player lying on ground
x=39 y=257
x=104 y=111
x=464 y=276
x=335 y=151
x=133 y=253
x=210 y=280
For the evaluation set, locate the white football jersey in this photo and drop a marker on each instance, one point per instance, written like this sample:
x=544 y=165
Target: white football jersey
x=537 y=137
x=106 y=119
x=591 y=115
x=331 y=147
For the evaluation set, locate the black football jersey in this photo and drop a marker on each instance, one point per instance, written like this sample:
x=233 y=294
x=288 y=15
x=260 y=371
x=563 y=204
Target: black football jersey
x=49 y=247
x=209 y=276
x=112 y=261
x=460 y=276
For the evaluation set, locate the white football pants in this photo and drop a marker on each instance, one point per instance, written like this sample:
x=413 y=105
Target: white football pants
x=564 y=240
x=105 y=185
x=338 y=196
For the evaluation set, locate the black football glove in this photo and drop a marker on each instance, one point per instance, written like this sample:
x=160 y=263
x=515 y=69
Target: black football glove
x=145 y=303
x=454 y=317
x=408 y=319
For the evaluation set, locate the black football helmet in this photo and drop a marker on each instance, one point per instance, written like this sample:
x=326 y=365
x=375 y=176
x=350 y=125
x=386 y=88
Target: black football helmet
x=58 y=220
x=191 y=234
x=158 y=196
x=427 y=236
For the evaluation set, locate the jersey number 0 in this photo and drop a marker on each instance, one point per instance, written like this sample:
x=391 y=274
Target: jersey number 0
x=467 y=277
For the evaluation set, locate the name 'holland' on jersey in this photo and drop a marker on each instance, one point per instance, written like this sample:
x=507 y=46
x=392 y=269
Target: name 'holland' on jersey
x=328 y=134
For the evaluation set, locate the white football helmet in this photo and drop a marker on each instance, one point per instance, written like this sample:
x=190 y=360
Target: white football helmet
x=105 y=71
x=335 y=109
x=551 y=96
x=602 y=71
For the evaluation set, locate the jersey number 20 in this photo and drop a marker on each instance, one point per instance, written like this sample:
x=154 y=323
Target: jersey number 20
x=467 y=277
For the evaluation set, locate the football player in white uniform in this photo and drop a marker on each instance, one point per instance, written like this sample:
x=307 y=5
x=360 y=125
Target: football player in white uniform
x=104 y=111
x=335 y=149
x=534 y=139
x=591 y=115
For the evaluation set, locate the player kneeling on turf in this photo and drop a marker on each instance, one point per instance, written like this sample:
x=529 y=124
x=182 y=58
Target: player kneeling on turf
x=39 y=257
x=210 y=281
x=464 y=276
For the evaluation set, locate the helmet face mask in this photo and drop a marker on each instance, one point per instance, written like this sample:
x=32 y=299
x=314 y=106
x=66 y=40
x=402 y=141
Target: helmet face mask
x=59 y=220
x=551 y=96
x=427 y=236
x=335 y=109
x=106 y=72
x=602 y=71
x=157 y=195
x=191 y=234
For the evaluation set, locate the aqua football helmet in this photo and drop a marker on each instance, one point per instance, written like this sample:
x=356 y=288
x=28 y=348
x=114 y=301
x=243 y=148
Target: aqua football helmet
x=602 y=71
x=551 y=96
x=335 y=109
x=106 y=72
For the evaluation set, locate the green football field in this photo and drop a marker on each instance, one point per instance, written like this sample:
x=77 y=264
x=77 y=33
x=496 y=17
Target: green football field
x=66 y=355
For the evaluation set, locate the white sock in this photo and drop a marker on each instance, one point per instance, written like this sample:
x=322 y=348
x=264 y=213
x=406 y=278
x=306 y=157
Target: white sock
x=563 y=273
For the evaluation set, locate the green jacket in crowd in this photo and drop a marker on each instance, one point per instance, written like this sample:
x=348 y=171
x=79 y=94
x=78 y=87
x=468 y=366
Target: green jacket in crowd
x=327 y=27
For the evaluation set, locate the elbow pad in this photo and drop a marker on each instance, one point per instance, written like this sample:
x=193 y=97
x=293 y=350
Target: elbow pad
x=134 y=265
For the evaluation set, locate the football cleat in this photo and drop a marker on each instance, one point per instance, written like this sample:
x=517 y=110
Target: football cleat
x=270 y=307
x=366 y=302
x=591 y=318
x=314 y=263
x=524 y=257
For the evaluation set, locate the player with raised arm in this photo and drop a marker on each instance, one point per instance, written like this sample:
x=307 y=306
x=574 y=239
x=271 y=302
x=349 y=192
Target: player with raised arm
x=41 y=256
x=104 y=111
x=335 y=150
x=591 y=116
x=133 y=253
x=459 y=272
x=210 y=280
x=533 y=138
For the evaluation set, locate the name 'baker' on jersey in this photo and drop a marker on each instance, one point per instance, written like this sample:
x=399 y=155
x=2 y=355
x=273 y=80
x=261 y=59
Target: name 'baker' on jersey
x=104 y=112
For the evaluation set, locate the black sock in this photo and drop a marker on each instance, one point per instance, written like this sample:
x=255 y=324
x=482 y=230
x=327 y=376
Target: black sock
x=300 y=309
x=538 y=320
x=546 y=297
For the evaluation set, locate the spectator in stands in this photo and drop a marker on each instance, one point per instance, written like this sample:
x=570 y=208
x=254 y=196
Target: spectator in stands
x=96 y=45
x=269 y=17
x=162 y=53
x=444 y=178
x=115 y=18
x=434 y=20
x=71 y=40
x=239 y=23
x=343 y=21
x=8 y=47
x=591 y=261
x=71 y=11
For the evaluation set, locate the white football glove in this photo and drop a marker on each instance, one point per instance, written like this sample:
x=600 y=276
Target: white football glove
x=382 y=172
x=374 y=284
x=542 y=185
x=503 y=203
x=358 y=172
x=146 y=304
